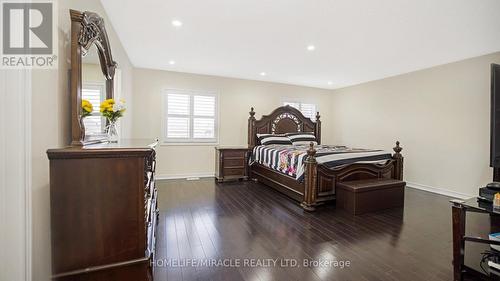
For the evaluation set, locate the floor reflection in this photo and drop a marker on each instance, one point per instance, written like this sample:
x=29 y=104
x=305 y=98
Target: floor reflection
x=245 y=221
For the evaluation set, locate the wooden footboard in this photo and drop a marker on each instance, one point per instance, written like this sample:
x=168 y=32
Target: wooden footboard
x=320 y=182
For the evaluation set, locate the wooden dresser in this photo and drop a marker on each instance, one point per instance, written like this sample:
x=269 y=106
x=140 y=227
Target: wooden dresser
x=231 y=163
x=103 y=211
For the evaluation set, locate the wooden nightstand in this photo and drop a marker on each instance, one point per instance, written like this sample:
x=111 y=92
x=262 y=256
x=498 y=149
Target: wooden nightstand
x=231 y=162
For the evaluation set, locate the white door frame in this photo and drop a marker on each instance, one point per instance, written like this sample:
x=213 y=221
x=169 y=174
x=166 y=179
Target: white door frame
x=15 y=175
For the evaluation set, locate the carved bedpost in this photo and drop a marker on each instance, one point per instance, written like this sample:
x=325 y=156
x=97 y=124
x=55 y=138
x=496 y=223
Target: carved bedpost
x=398 y=162
x=251 y=129
x=318 y=127
x=310 y=190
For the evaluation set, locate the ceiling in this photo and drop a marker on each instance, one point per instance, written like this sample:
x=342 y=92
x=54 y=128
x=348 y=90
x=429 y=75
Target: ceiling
x=355 y=41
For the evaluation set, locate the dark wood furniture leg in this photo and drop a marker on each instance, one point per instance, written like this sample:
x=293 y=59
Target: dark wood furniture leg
x=458 y=217
x=398 y=162
x=310 y=180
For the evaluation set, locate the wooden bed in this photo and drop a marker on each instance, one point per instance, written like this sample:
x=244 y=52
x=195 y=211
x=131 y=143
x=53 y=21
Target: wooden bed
x=319 y=182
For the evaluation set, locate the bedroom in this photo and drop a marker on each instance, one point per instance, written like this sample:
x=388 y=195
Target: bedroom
x=417 y=72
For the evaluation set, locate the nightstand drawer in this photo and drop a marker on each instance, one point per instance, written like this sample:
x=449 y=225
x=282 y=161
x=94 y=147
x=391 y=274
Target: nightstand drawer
x=234 y=163
x=234 y=172
x=234 y=153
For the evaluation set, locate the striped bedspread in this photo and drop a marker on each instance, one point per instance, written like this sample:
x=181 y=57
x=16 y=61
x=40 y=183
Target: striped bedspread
x=289 y=159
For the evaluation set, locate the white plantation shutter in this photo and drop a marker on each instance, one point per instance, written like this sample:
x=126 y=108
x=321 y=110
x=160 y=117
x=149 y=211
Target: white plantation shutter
x=178 y=128
x=204 y=117
x=203 y=128
x=293 y=104
x=178 y=113
x=178 y=104
x=204 y=106
x=190 y=116
x=94 y=93
x=308 y=109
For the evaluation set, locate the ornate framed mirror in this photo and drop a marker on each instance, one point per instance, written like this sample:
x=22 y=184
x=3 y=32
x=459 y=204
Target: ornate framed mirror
x=92 y=76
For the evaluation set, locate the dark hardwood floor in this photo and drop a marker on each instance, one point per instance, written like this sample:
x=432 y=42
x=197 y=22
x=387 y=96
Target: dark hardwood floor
x=201 y=220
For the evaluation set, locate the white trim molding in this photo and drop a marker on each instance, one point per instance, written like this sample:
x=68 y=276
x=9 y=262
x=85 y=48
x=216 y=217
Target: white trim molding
x=442 y=191
x=184 y=176
x=15 y=189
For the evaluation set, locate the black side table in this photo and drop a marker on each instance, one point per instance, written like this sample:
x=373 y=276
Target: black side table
x=460 y=269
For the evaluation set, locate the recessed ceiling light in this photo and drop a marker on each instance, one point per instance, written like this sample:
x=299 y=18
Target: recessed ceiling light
x=311 y=47
x=177 y=23
x=263 y=74
x=172 y=62
x=330 y=83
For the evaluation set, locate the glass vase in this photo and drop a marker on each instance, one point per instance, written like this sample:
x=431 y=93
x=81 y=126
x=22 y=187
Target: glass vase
x=112 y=132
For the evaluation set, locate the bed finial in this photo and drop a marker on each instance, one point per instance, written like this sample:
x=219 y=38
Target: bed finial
x=311 y=151
x=252 y=113
x=398 y=165
x=317 y=128
x=251 y=129
x=397 y=148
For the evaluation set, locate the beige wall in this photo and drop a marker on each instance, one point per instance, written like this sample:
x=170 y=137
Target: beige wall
x=50 y=125
x=92 y=73
x=440 y=115
x=236 y=96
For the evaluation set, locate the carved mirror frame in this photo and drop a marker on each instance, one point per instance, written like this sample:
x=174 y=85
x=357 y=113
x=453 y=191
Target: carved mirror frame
x=87 y=28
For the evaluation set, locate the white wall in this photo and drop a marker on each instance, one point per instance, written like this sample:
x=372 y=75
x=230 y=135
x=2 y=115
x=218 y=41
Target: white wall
x=440 y=115
x=236 y=96
x=92 y=73
x=51 y=127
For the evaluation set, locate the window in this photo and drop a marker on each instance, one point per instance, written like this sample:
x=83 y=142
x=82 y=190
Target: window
x=95 y=94
x=191 y=117
x=308 y=109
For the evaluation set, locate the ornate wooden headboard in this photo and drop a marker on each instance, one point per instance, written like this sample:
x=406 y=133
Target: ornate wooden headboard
x=284 y=119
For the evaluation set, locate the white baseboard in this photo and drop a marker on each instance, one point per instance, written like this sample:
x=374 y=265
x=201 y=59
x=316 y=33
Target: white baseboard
x=183 y=176
x=442 y=191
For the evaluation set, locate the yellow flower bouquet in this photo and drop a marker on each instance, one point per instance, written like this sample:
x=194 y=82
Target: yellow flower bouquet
x=113 y=110
x=87 y=108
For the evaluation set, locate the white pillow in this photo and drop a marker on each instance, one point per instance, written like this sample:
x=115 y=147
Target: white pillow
x=302 y=138
x=266 y=139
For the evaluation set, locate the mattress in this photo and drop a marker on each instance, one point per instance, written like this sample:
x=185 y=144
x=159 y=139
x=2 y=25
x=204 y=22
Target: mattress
x=289 y=159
